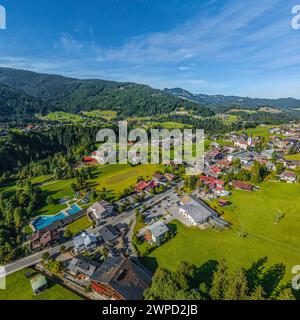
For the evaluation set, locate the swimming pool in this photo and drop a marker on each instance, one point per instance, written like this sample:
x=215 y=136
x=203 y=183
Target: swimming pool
x=44 y=221
x=74 y=208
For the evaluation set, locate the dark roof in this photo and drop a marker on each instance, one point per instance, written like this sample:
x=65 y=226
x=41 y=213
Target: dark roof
x=126 y=276
x=109 y=233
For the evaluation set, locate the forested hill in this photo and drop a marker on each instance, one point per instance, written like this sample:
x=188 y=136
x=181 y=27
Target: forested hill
x=73 y=95
x=233 y=101
x=16 y=103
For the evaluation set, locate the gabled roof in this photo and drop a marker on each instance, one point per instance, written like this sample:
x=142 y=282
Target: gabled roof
x=125 y=276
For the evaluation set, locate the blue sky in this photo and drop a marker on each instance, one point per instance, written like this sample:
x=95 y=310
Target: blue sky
x=236 y=47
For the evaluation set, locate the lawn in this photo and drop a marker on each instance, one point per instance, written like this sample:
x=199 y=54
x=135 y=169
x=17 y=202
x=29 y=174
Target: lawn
x=262 y=131
x=293 y=156
x=58 y=190
x=79 y=225
x=19 y=288
x=253 y=213
x=117 y=177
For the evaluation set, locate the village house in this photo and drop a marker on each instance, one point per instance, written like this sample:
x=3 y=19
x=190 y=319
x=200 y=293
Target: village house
x=45 y=238
x=84 y=242
x=100 y=211
x=80 y=270
x=155 y=232
x=118 y=278
x=241 y=185
x=292 y=164
x=289 y=177
x=109 y=234
x=143 y=185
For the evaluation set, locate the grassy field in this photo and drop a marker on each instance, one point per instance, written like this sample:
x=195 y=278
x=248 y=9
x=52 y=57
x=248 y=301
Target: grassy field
x=114 y=178
x=13 y=185
x=169 y=125
x=293 y=156
x=19 y=288
x=79 y=225
x=253 y=213
x=262 y=131
x=118 y=177
x=105 y=114
x=62 y=116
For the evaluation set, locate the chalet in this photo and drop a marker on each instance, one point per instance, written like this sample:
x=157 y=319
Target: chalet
x=289 y=177
x=121 y=279
x=100 y=210
x=42 y=239
x=155 y=232
x=196 y=211
x=241 y=185
x=160 y=178
x=84 y=242
x=141 y=186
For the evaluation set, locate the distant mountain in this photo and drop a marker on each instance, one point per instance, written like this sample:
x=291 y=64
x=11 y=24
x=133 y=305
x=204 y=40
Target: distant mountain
x=233 y=101
x=74 y=95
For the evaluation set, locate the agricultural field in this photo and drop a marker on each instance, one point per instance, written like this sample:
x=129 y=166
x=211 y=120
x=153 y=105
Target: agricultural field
x=62 y=117
x=262 y=131
x=19 y=288
x=118 y=177
x=105 y=114
x=293 y=156
x=169 y=125
x=270 y=110
x=254 y=215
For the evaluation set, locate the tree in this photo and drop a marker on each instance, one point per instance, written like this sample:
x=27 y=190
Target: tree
x=220 y=282
x=256 y=173
x=68 y=233
x=286 y=294
x=45 y=256
x=258 y=293
x=237 y=286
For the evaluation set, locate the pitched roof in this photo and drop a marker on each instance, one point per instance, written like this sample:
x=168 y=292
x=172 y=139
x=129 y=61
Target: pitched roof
x=125 y=276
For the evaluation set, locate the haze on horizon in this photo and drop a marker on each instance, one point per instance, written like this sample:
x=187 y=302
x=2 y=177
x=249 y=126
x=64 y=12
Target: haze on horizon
x=230 y=47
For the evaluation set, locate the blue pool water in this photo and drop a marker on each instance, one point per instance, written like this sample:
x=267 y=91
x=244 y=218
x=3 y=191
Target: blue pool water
x=43 y=222
x=74 y=208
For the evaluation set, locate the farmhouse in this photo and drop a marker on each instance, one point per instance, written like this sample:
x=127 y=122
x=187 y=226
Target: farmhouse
x=241 y=185
x=121 y=279
x=156 y=232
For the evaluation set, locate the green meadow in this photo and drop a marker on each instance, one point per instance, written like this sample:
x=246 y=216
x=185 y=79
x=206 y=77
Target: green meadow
x=18 y=288
x=251 y=214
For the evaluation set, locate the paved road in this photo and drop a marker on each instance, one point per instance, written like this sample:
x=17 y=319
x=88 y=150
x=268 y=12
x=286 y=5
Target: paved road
x=37 y=257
